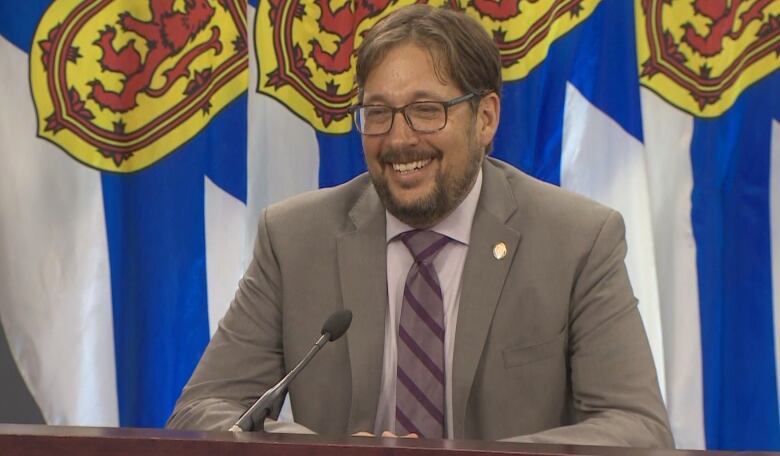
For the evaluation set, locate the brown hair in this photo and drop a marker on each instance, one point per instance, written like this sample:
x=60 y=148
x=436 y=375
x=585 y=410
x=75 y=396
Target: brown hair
x=461 y=49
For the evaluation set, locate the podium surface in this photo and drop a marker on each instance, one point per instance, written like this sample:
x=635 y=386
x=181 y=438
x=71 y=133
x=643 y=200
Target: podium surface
x=35 y=440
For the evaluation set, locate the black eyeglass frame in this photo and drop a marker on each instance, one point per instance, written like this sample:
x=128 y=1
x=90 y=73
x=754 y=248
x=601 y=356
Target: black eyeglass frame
x=445 y=105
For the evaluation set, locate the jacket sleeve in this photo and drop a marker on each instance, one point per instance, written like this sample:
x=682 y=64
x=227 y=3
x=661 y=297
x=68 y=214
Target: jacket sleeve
x=244 y=358
x=615 y=394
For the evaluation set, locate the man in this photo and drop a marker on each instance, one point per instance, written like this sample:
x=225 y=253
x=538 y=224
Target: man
x=512 y=319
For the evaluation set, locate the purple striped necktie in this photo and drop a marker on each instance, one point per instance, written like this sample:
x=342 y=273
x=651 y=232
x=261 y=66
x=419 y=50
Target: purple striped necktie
x=420 y=383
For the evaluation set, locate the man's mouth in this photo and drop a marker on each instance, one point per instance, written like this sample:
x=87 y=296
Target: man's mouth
x=405 y=168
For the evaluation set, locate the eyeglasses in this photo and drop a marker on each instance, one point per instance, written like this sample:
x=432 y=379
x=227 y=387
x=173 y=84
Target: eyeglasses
x=421 y=116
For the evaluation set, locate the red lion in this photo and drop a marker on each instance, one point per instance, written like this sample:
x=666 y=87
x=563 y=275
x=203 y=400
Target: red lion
x=343 y=23
x=722 y=14
x=166 y=34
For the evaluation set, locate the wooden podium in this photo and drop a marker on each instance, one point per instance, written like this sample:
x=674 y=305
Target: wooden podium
x=31 y=440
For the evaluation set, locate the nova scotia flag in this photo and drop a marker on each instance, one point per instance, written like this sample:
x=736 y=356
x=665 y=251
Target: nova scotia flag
x=126 y=220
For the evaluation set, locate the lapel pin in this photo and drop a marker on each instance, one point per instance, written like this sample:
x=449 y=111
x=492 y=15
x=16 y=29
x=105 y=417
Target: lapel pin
x=499 y=250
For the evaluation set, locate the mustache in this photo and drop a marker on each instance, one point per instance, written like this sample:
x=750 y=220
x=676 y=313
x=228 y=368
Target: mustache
x=408 y=155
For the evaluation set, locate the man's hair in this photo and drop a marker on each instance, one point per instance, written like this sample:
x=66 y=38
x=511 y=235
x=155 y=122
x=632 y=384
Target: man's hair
x=461 y=49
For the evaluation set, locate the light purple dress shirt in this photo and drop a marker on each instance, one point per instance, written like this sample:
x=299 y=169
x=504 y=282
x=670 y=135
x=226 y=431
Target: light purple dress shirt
x=449 y=267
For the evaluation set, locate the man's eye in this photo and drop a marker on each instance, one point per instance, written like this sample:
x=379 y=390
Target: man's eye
x=375 y=112
x=426 y=109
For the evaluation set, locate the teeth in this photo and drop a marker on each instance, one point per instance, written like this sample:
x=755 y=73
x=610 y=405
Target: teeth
x=411 y=166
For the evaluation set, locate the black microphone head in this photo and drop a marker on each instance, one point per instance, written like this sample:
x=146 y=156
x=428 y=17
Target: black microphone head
x=337 y=324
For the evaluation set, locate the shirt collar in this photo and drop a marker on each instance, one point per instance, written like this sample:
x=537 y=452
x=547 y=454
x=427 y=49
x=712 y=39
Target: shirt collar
x=456 y=226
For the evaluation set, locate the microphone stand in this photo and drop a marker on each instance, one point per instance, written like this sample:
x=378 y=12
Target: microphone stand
x=258 y=412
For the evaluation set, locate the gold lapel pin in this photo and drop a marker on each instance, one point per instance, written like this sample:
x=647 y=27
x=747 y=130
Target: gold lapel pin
x=499 y=250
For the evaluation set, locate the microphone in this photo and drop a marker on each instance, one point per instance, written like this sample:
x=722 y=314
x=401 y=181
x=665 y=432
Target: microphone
x=335 y=326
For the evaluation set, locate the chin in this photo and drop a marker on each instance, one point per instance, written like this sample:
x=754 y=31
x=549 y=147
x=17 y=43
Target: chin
x=417 y=207
x=411 y=200
x=420 y=212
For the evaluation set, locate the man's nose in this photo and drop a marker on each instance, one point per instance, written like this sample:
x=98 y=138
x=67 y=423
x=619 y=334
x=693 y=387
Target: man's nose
x=401 y=132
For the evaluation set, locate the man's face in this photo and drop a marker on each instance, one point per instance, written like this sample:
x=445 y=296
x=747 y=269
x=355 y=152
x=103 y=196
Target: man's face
x=422 y=177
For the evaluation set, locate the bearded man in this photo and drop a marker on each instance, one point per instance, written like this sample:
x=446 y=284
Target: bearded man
x=487 y=304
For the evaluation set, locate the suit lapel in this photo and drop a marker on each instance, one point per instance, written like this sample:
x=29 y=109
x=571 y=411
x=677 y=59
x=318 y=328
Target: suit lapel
x=362 y=261
x=483 y=280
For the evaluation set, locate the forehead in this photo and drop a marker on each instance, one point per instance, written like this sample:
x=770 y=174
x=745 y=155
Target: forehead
x=406 y=73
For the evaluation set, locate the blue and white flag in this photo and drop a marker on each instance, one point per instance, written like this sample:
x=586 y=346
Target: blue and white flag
x=123 y=145
x=140 y=140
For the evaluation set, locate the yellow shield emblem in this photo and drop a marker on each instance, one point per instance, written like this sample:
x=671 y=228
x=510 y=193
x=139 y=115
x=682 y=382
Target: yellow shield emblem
x=701 y=54
x=119 y=85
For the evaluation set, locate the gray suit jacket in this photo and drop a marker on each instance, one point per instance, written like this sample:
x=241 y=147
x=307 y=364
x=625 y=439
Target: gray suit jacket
x=549 y=344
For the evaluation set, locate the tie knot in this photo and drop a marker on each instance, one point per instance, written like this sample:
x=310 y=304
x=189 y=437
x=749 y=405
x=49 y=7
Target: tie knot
x=424 y=244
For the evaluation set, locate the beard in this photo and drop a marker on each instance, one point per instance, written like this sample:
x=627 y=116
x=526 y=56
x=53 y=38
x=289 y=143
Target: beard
x=449 y=190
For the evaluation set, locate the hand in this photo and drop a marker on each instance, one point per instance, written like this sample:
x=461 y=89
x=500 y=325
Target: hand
x=385 y=434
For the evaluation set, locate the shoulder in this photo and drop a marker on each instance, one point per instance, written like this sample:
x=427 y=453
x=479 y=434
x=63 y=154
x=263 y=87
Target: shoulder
x=323 y=209
x=551 y=211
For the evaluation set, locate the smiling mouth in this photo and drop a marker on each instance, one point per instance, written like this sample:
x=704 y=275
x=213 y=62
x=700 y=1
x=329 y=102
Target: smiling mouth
x=406 y=168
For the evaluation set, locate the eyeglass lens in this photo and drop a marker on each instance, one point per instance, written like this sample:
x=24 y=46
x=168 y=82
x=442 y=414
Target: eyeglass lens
x=422 y=116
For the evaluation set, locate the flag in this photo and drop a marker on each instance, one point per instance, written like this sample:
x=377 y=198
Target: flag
x=123 y=139
x=125 y=228
x=711 y=101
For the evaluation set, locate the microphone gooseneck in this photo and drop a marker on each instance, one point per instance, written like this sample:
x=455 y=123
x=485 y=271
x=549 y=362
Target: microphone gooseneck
x=254 y=418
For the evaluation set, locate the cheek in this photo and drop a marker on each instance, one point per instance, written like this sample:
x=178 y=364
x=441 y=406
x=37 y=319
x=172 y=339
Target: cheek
x=455 y=152
x=371 y=150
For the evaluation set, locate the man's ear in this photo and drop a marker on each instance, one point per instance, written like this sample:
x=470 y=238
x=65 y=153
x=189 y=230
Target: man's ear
x=488 y=115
